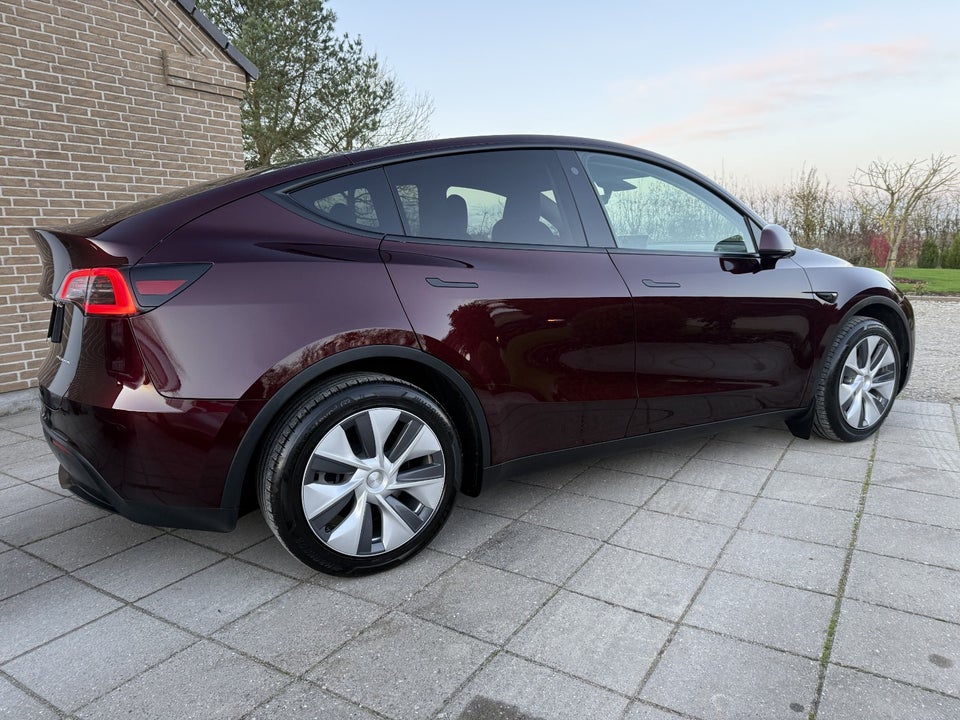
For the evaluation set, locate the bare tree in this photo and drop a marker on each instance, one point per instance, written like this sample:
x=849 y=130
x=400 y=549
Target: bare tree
x=810 y=202
x=890 y=193
x=354 y=111
x=405 y=118
x=770 y=202
x=375 y=110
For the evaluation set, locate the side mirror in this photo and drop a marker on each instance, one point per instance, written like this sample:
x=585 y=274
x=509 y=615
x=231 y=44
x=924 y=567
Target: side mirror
x=775 y=242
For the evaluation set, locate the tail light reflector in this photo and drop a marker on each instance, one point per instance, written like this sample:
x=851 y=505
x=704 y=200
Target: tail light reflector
x=98 y=291
x=153 y=285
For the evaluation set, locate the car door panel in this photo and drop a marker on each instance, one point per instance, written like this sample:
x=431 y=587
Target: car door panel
x=545 y=336
x=715 y=344
x=720 y=334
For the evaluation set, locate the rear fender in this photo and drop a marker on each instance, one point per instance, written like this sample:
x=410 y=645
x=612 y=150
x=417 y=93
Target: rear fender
x=243 y=468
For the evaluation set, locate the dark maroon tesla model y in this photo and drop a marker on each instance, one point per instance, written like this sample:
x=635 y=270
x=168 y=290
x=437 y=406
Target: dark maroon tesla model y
x=352 y=340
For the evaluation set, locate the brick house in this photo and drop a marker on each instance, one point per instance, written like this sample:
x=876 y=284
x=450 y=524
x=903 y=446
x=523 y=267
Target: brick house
x=100 y=104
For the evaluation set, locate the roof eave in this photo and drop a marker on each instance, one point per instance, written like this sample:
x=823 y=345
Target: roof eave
x=222 y=41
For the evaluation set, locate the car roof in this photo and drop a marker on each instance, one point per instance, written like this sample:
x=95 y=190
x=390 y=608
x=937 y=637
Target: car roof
x=389 y=153
x=195 y=200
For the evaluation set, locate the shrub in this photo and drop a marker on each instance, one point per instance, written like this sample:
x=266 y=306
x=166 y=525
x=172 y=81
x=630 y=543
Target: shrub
x=929 y=254
x=880 y=249
x=951 y=258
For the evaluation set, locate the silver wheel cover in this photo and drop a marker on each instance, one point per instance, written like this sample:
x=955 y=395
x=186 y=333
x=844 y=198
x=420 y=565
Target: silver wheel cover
x=867 y=382
x=373 y=482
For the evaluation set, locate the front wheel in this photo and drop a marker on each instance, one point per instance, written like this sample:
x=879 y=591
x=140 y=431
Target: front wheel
x=360 y=474
x=859 y=381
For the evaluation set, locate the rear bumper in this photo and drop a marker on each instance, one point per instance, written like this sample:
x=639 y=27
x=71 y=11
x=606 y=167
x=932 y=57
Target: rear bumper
x=157 y=468
x=81 y=478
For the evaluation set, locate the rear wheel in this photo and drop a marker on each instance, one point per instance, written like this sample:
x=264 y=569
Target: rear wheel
x=859 y=381
x=360 y=474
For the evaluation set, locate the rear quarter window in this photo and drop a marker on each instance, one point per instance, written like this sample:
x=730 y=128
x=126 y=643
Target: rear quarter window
x=359 y=200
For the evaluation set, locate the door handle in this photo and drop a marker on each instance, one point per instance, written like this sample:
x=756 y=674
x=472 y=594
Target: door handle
x=660 y=283
x=437 y=282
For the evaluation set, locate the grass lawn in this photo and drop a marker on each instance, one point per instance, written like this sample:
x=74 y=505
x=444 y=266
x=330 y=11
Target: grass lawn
x=927 y=281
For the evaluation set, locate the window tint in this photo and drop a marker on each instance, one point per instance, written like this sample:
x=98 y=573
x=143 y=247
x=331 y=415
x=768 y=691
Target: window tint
x=655 y=209
x=360 y=200
x=515 y=196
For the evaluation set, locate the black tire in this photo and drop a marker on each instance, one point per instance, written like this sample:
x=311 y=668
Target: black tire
x=849 y=372
x=372 y=502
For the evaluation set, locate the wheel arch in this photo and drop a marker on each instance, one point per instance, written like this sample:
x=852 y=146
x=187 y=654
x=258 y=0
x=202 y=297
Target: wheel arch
x=435 y=377
x=879 y=307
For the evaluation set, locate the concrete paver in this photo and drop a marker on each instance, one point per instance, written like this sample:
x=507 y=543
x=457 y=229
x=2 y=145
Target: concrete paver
x=854 y=694
x=21 y=571
x=81 y=666
x=511 y=687
x=482 y=601
x=578 y=514
x=777 y=616
x=722 y=476
x=637 y=581
x=298 y=629
x=921 y=543
x=208 y=600
x=783 y=560
x=36 y=616
x=204 y=681
x=614 y=485
x=605 y=644
x=148 y=567
x=811 y=490
x=699 y=503
x=712 y=676
x=402 y=666
x=800 y=522
x=697 y=580
x=536 y=552
x=899 y=645
x=81 y=546
x=675 y=538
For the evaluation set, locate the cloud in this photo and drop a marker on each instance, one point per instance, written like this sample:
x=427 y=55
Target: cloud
x=735 y=99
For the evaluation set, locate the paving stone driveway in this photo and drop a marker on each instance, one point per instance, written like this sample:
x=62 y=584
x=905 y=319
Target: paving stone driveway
x=745 y=575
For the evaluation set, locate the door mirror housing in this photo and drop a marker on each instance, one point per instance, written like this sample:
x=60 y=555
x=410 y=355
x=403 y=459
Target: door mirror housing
x=775 y=242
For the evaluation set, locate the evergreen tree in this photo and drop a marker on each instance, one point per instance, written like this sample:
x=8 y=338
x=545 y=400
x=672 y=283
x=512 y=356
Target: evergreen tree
x=951 y=257
x=317 y=91
x=929 y=254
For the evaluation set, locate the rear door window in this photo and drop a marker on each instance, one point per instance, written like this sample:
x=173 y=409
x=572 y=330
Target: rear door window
x=511 y=196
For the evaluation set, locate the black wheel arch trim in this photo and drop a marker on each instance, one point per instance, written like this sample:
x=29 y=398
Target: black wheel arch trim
x=855 y=309
x=250 y=444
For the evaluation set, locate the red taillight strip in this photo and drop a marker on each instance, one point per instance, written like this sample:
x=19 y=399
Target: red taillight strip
x=79 y=286
x=158 y=287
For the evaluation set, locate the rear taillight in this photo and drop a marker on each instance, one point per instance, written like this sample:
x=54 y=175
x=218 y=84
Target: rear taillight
x=122 y=293
x=98 y=291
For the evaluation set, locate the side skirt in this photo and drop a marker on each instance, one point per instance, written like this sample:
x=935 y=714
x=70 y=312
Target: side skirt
x=794 y=422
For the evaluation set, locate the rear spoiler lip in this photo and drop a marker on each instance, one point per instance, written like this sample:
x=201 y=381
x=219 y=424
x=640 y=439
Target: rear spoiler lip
x=61 y=252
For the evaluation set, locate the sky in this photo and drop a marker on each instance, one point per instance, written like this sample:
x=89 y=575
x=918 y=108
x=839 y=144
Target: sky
x=746 y=92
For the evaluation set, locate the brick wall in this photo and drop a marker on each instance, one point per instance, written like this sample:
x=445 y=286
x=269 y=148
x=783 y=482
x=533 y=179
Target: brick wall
x=101 y=104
